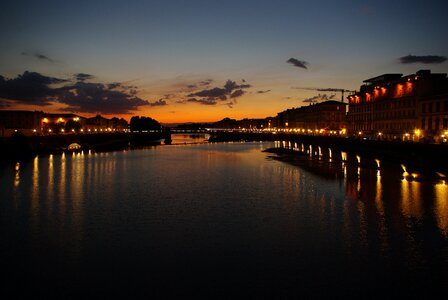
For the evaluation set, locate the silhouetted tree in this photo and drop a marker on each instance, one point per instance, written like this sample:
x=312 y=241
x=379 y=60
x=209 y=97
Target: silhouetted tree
x=144 y=123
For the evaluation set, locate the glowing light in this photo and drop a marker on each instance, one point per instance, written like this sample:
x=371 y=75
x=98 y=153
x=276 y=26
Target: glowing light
x=344 y=156
x=60 y=120
x=45 y=120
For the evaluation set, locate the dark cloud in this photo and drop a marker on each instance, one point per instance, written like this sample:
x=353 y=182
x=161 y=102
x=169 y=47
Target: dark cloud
x=214 y=93
x=83 y=76
x=206 y=82
x=36 y=89
x=425 y=59
x=159 y=102
x=237 y=93
x=319 y=97
x=204 y=101
x=99 y=98
x=298 y=63
x=263 y=92
x=37 y=55
x=212 y=96
x=30 y=88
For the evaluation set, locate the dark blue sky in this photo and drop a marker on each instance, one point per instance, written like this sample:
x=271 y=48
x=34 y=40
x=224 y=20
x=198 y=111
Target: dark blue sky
x=165 y=49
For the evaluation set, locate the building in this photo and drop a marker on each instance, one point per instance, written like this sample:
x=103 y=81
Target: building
x=20 y=121
x=323 y=118
x=62 y=123
x=37 y=123
x=393 y=106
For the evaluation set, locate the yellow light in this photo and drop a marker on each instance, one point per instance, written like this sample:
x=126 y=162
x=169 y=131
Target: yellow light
x=417 y=132
x=34 y=130
x=62 y=130
x=76 y=119
x=360 y=132
x=45 y=120
x=380 y=133
x=286 y=124
x=60 y=120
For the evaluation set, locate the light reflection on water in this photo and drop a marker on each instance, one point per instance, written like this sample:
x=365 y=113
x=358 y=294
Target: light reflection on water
x=176 y=214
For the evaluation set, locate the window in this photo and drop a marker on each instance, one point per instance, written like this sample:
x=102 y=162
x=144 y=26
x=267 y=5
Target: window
x=438 y=107
x=424 y=108
x=430 y=107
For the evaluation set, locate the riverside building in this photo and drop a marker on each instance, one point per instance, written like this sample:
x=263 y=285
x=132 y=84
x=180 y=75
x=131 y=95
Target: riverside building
x=323 y=118
x=393 y=106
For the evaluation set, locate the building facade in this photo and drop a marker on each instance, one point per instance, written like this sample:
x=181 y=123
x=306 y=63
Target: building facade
x=327 y=117
x=20 y=121
x=39 y=123
x=393 y=106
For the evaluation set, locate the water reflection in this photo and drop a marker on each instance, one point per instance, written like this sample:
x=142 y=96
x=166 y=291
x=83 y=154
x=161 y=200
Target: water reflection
x=441 y=207
x=226 y=211
x=17 y=176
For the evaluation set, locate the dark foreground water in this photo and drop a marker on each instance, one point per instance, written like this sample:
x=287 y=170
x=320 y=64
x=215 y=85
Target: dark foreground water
x=217 y=221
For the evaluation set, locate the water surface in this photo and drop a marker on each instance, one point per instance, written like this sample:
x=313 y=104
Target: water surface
x=218 y=220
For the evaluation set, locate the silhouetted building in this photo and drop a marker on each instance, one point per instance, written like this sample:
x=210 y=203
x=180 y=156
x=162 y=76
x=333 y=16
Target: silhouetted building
x=392 y=106
x=323 y=118
x=20 y=121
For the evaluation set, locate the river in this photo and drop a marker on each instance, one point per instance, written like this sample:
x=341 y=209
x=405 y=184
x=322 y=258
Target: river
x=217 y=221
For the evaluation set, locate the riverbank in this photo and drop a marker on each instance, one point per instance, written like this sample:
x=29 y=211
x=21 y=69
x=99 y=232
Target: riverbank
x=422 y=156
x=22 y=147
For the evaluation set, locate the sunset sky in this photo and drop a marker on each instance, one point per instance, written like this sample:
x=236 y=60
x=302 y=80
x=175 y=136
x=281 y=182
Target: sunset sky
x=201 y=61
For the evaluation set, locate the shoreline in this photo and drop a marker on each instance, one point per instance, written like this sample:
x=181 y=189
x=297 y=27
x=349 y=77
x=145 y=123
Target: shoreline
x=426 y=157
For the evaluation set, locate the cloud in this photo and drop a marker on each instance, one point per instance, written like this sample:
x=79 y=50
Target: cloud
x=37 y=55
x=36 y=89
x=30 y=88
x=231 y=90
x=159 y=102
x=237 y=93
x=204 y=101
x=425 y=59
x=263 y=92
x=99 y=98
x=298 y=63
x=213 y=93
x=83 y=76
x=206 y=82
x=319 y=97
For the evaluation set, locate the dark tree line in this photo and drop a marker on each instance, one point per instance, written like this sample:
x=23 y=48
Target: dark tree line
x=144 y=123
